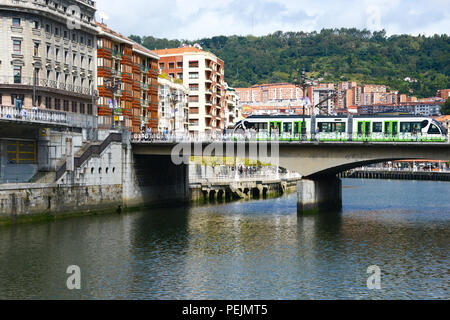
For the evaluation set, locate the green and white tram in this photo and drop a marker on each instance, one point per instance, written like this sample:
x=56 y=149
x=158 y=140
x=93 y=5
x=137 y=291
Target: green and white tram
x=332 y=128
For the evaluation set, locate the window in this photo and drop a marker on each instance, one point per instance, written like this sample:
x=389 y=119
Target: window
x=74 y=106
x=193 y=87
x=377 y=127
x=193 y=64
x=172 y=75
x=193 y=75
x=48 y=50
x=35 y=24
x=57 y=31
x=162 y=65
x=48 y=102
x=180 y=64
x=66 y=105
x=66 y=34
x=57 y=104
x=17 y=46
x=100 y=81
x=82 y=108
x=434 y=130
x=36 y=49
x=179 y=75
x=47 y=28
x=332 y=127
x=17 y=74
x=171 y=65
x=16 y=22
x=99 y=43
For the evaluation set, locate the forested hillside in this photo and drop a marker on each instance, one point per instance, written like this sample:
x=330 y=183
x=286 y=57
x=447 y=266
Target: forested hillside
x=332 y=54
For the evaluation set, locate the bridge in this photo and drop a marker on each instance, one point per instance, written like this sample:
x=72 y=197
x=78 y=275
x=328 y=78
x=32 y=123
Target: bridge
x=318 y=163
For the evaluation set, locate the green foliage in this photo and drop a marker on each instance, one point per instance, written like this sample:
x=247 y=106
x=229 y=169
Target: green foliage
x=445 y=109
x=333 y=54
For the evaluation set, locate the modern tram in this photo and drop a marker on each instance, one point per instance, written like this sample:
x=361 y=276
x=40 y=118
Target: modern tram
x=334 y=128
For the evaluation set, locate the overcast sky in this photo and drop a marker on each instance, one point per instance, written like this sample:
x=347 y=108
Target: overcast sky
x=195 y=19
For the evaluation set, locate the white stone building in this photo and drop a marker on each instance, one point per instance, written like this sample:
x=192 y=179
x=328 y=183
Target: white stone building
x=173 y=107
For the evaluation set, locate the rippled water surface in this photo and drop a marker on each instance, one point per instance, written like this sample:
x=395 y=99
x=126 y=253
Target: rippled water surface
x=243 y=250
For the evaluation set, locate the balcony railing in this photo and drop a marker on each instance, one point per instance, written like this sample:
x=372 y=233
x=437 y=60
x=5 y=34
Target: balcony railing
x=32 y=115
x=46 y=83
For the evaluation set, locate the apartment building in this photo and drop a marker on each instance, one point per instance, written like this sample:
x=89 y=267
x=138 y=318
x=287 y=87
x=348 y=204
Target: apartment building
x=233 y=111
x=274 y=92
x=48 y=57
x=127 y=83
x=321 y=98
x=173 y=110
x=203 y=74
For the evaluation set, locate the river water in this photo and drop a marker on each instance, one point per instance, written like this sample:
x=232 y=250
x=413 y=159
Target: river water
x=243 y=250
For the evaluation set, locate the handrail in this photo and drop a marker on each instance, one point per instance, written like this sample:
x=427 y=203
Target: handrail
x=89 y=152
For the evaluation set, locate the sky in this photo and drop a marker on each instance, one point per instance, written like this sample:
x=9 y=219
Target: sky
x=196 y=19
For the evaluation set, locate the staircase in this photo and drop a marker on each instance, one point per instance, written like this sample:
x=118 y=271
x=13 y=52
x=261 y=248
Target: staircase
x=90 y=151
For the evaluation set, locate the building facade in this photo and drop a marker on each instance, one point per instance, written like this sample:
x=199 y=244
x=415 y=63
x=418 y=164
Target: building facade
x=203 y=74
x=274 y=92
x=233 y=111
x=48 y=57
x=127 y=83
x=173 y=110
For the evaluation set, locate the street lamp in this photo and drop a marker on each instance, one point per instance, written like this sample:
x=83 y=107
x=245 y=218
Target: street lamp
x=304 y=83
x=114 y=86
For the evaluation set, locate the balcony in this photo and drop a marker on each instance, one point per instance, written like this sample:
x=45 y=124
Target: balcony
x=144 y=69
x=37 y=116
x=46 y=83
x=144 y=86
x=116 y=55
x=145 y=103
x=116 y=73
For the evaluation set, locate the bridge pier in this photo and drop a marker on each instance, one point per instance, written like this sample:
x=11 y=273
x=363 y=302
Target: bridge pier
x=319 y=194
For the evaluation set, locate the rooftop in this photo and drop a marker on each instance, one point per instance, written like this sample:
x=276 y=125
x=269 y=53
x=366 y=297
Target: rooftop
x=173 y=51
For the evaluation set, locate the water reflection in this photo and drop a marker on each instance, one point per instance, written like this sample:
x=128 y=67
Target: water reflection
x=244 y=250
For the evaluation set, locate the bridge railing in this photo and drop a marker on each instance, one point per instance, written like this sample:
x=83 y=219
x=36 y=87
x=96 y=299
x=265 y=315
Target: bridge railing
x=242 y=177
x=322 y=137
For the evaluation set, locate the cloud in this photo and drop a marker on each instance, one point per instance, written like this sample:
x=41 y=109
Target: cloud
x=195 y=19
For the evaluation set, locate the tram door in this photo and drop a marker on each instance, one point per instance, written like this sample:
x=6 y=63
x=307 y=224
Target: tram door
x=364 y=129
x=275 y=127
x=298 y=128
x=391 y=129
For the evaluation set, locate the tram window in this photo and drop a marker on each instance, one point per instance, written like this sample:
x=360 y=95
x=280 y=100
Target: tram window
x=394 y=128
x=405 y=127
x=287 y=127
x=434 y=130
x=360 y=128
x=387 y=128
x=377 y=127
x=331 y=126
x=410 y=126
x=340 y=126
x=367 y=127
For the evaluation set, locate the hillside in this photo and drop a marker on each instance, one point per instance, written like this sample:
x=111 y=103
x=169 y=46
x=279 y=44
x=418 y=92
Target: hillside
x=333 y=54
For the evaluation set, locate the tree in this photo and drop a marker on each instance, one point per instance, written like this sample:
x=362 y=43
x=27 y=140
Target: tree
x=445 y=109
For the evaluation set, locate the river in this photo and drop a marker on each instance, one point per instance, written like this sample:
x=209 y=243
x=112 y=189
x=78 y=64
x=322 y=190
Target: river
x=243 y=250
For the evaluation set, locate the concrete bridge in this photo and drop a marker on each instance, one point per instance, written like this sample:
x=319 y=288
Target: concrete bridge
x=317 y=163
